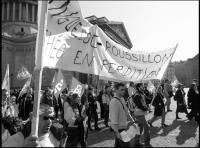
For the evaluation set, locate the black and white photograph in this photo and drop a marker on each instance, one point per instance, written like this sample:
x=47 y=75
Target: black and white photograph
x=79 y=73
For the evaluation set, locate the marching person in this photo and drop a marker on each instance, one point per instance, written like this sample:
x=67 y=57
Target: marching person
x=180 y=98
x=92 y=109
x=168 y=94
x=193 y=102
x=140 y=111
x=26 y=104
x=131 y=89
x=159 y=108
x=74 y=115
x=106 y=97
x=119 y=114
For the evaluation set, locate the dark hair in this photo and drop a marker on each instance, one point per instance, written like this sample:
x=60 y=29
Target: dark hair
x=90 y=88
x=107 y=86
x=117 y=85
x=138 y=85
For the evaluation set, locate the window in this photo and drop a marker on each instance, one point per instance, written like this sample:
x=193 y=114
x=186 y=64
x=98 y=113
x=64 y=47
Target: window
x=5 y=11
x=35 y=19
x=29 y=12
x=16 y=11
x=11 y=12
x=23 y=11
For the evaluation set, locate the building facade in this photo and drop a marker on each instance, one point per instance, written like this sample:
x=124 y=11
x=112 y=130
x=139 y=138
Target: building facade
x=188 y=70
x=19 y=32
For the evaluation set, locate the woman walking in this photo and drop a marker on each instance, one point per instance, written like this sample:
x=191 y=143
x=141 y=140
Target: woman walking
x=159 y=110
x=180 y=98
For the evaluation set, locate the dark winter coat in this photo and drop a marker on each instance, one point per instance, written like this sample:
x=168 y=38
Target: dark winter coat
x=159 y=105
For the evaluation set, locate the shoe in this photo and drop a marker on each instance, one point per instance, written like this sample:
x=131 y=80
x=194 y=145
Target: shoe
x=165 y=125
x=178 y=118
x=169 y=110
x=97 y=129
x=150 y=124
x=138 y=144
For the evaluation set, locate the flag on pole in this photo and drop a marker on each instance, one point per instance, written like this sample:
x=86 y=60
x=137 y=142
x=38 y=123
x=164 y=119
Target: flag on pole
x=6 y=80
x=58 y=83
x=150 y=87
x=25 y=87
x=23 y=74
x=175 y=82
x=77 y=87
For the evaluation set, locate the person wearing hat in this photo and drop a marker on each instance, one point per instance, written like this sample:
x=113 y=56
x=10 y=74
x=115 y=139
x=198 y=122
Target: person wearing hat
x=48 y=134
x=180 y=98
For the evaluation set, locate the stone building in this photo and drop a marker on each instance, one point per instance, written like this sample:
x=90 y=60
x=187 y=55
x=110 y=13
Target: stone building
x=170 y=72
x=187 y=70
x=19 y=32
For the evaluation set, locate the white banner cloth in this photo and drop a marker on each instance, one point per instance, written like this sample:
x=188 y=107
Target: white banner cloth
x=74 y=44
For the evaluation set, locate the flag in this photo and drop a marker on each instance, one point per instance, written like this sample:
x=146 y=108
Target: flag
x=23 y=74
x=6 y=80
x=174 y=82
x=58 y=83
x=150 y=87
x=77 y=87
x=25 y=87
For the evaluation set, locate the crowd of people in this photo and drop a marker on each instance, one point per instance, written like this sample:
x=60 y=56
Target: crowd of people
x=66 y=120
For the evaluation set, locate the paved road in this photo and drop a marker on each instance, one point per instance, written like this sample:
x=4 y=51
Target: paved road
x=180 y=133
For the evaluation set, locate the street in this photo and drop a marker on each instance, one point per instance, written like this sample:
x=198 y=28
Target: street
x=180 y=133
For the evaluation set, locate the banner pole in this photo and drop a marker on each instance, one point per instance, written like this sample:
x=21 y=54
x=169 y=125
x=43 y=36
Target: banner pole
x=42 y=19
x=162 y=77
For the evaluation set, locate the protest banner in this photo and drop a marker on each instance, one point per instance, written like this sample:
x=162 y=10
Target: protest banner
x=73 y=44
x=23 y=74
x=6 y=81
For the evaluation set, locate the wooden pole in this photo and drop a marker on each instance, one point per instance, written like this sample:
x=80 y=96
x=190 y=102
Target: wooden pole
x=42 y=19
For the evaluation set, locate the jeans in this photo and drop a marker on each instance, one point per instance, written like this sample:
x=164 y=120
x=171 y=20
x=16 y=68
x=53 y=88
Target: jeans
x=93 y=113
x=168 y=102
x=143 y=125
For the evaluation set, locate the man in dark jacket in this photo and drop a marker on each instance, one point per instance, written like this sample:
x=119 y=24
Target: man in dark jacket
x=193 y=102
x=26 y=104
x=92 y=109
x=140 y=111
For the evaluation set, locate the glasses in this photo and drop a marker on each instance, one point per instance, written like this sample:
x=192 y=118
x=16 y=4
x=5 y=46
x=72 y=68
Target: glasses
x=48 y=117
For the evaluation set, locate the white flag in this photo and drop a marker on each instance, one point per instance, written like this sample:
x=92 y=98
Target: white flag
x=25 y=87
x=6 y=80
x=150 y=87
x=23 y=74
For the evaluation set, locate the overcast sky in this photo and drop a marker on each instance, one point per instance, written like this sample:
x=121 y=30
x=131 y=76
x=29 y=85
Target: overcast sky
x=153 y=25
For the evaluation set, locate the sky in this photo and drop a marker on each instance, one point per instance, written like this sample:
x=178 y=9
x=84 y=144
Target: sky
x=153 y=25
